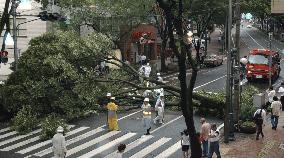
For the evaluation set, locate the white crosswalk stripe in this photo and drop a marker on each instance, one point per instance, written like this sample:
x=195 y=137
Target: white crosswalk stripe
x=71 y=141
x=108 y=145
x=8 y=134
x=39 y=145
x=150 y=148
x=171 y=150
x=100 y=144
x=19 y=137
x=5 y=129
x=132 y=145
x=90 y=143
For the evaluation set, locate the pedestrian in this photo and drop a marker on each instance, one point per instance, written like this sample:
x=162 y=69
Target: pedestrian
x=185 y=143
x=214 y=137
x=259 y=118
x=112 y=116
x=59 y=144
x=141 y=72
x=159 y=78
x=147 y=70
x=105 y=101
x=120 y=151
x=146 y=120
x=281 y=92
x=270 y=94
x=275 y=112
x=143 y=59
x=160 y=108
x=204 y=134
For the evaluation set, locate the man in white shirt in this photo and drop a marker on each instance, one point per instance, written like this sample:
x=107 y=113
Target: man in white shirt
x=160 y=108
x=148 y=70
x=259 y=119
x=271 y=93
x=276 y=107
x=59 y=144
x=214 y=137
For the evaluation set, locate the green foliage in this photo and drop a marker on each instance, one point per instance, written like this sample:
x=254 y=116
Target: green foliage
x=248 y=124
x=56 y=74
x=49 y=126
x=247 y=108
x=25 y=121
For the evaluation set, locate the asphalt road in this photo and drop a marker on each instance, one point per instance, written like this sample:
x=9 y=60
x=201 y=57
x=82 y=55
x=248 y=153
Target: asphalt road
x=89 y=137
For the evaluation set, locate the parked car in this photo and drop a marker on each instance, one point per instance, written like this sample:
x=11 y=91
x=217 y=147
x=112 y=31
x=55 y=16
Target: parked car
x=213 y=60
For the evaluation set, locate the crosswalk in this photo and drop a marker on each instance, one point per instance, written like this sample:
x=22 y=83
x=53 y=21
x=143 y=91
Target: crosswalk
x=86 y=142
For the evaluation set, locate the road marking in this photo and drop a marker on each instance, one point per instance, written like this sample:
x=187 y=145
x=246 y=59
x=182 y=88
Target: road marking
x=107 y=146
x=209 y=82
x=90 y=143
x=142 y=153
x=171 y=150
x=71 y=141
x=8 y=134
x=166 y=124
x=5 y=129
x=132 y=145
x=41 y=144
x=19 y=137
x=254 y=40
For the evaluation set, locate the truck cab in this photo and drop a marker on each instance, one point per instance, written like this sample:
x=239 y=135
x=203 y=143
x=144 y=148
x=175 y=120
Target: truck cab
x=258 y=64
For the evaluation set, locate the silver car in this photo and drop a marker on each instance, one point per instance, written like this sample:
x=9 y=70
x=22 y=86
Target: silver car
x=213 y=60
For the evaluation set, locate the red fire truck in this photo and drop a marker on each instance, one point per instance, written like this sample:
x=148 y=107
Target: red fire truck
x=258 y=64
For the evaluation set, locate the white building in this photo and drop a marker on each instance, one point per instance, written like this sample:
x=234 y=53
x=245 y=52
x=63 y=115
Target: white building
x=28 y=10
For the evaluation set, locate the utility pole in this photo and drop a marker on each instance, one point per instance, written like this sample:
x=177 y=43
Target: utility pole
x=228 y=81
x=237 y=64
x=14 y=13
x=270 y=58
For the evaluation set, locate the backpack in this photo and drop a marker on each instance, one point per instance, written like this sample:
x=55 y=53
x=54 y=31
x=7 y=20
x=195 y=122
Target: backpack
x=257 y=117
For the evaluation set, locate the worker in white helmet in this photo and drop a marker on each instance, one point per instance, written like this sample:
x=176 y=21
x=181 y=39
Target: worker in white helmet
x=148 y=70
x=146 y=120
x=160 y=108
x=59 y=144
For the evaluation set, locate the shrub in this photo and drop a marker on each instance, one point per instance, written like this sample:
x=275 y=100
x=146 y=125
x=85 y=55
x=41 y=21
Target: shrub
x=25 y=121
x=247 y=108
x=49 y=126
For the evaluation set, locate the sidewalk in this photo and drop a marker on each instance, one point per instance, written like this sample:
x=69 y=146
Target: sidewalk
x=245 y=146
x=5 y=70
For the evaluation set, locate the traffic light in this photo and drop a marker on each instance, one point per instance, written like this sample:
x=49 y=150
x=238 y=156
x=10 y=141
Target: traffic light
x=4 y=57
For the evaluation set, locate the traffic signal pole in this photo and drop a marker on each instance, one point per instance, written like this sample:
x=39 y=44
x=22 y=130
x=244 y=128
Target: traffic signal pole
x=14 y=7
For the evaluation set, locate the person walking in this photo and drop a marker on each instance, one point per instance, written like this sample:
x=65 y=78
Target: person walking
x=160 y=108
x=185 y=143
x=147 y=70
x=146 y=120
x=259 y=118
x=270 y=94
x=214 y=137
x=275 y=112
x=281 y=92
x=112 y=117
x=106 y=100
x=204 y=134
x=59 y=144
x=159 y=78
x=120 y=150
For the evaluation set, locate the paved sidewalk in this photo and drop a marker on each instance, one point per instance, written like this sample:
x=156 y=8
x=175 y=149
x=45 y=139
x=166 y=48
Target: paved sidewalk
x=245 y=146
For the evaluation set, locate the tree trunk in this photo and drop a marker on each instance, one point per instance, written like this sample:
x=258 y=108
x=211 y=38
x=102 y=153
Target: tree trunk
x=163 y=57
x=5 y=20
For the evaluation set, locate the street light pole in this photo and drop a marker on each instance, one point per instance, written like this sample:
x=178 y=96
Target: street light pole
x=14 y=13
x=228 y=108
x=270 y=58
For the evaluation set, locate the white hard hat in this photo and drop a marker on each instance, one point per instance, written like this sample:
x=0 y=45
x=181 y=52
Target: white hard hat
x=281 y=90
x=146 y=99
x=158 y=74
x=162 y=94
x=60 y=129
x=108 y=94
x=148 y=64
x=112 y=98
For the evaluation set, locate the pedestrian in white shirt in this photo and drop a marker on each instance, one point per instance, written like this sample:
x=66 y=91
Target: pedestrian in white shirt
x=59 y=144
x=259 y=120
x=271 y=93
x=185 y=143
x=147 y=70
x=160 y=108
x=214 y=137
x=276 y=107
x=281 y=92
x=120 y=150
